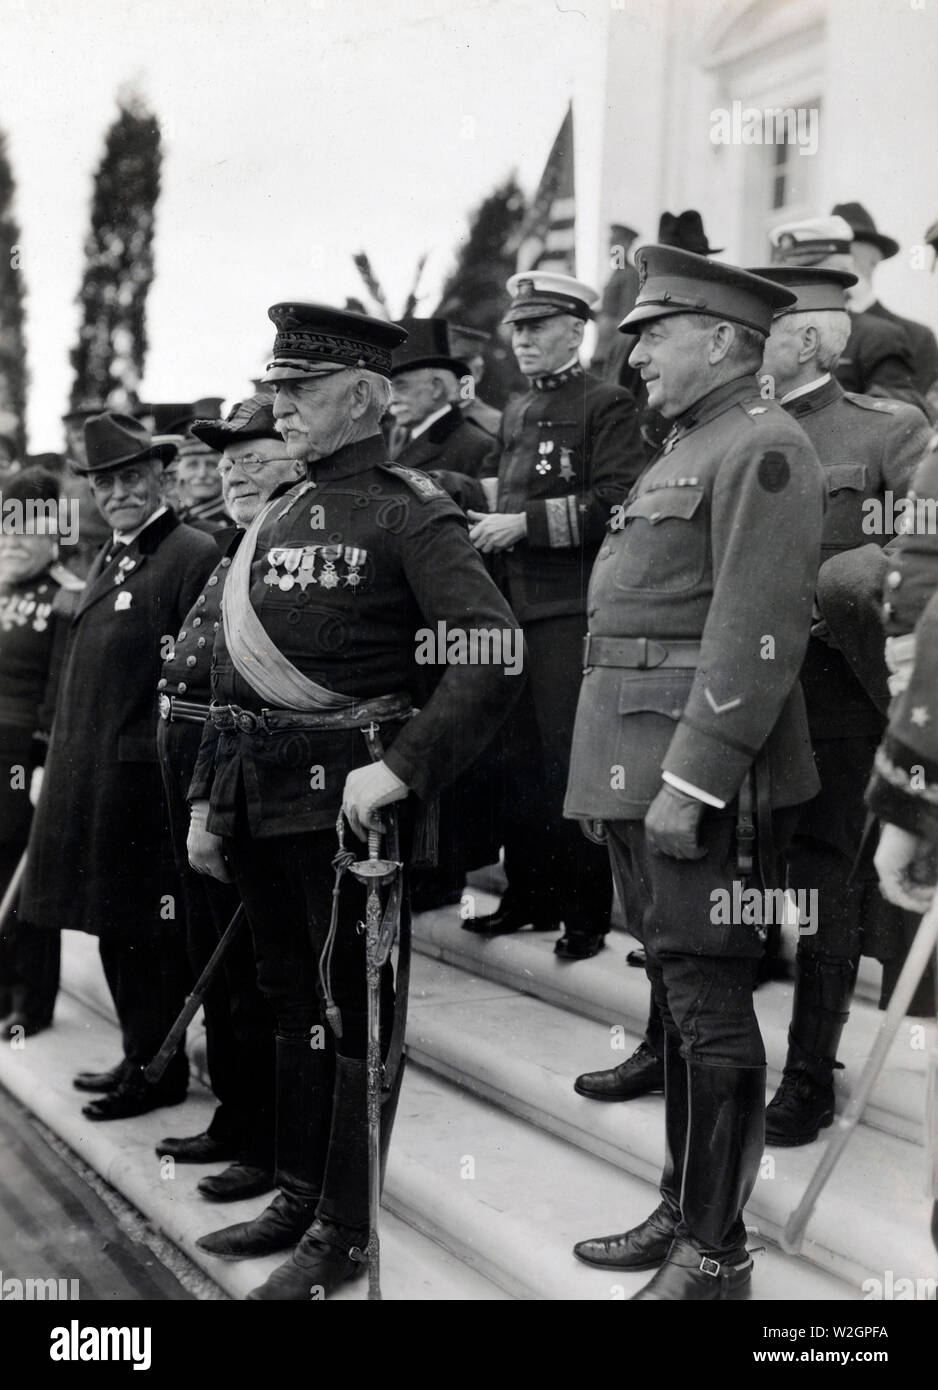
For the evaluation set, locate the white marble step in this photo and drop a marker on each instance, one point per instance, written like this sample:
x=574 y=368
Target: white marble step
x=522 y=1054
x=511 y=1201
x=611 y=992
x=39 y=1074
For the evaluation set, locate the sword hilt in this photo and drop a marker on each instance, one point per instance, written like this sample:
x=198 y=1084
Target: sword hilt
x=374 y=869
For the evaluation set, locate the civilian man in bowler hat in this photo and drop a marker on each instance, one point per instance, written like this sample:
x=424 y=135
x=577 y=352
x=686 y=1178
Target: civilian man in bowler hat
x=239 y=1024
x=691 y=728
x=100 y=856
x=313 y=716
x=568 y=451
x=868 y=448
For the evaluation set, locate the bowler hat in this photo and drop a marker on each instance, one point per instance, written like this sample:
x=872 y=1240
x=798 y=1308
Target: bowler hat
x=249 y=419
x=427 y=345
x=112 y=441
x=686 y=232
x=864 y=228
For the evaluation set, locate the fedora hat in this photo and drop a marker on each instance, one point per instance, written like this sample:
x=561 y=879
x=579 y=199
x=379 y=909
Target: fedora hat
x=686 y=232
x=864 y=228
x=112 y=441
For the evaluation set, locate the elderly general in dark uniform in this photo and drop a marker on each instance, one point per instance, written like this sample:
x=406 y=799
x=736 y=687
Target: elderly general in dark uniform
x=100 y=857
x=37 y=596
x=568 y=451
x=314 y=668
x=690 y=718
x=239 y=1025
x=868 y=448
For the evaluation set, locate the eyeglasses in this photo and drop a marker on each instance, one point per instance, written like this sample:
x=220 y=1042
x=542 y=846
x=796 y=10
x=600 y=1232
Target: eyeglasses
x=251 y=464
x=129 y=477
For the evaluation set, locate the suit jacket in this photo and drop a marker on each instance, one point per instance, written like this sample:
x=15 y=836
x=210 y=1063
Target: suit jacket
x=922 y=343
x=719 y=541
x=484 y=416
x=100 y=858
x=566 y=456
x=877 y=360
x=868 y=448
x=453 y=450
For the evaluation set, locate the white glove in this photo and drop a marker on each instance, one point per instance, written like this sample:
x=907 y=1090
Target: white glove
x=203 y=848
x=367 y=789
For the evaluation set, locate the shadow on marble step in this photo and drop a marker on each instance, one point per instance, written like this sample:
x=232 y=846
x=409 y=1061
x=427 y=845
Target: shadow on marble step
x=610 y=992
x=512 y=1201
x=507 y=1050
x=122 y=1153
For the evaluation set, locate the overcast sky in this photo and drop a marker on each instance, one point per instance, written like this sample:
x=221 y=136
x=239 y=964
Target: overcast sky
x=295 y=133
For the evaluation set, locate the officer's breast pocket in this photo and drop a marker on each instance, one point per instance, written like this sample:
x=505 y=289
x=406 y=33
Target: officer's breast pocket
x=847 y=489
x=665 y=544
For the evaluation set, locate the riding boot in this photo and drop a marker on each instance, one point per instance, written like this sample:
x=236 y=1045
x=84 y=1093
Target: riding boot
x=646 y=1245
x=708 y=1259
x=305 y=1084
x=804 y=1102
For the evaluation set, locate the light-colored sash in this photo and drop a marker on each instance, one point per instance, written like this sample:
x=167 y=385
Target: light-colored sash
x=264 y=667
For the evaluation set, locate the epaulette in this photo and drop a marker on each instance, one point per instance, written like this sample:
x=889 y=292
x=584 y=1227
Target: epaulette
x=877 y=403
x=420 y=483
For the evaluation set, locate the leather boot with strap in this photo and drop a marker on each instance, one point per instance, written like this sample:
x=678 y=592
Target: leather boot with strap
x=646 y=1245
x=305 y=1083
x=708 y=1259
x=804 y=1102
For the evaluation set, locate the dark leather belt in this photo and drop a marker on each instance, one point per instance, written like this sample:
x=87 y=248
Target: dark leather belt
x=172 y=709
x=640 y=653
x=233 y=718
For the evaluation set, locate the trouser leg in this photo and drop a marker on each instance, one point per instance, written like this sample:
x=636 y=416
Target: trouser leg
x=148 y=979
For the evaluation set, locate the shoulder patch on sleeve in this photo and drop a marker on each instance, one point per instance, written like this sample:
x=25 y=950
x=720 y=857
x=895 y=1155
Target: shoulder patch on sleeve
x=877 y=403
x=774 y=471
x=420 y=483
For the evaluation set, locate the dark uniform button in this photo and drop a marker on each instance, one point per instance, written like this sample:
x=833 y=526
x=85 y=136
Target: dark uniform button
x=191 y=660
x=162 y=684
x=182 y=636
x=196 y=622
x=226 y=562
x=216 y=624
x=200 y=601
x=213 y=580
x=182 y=687
x=201 y=642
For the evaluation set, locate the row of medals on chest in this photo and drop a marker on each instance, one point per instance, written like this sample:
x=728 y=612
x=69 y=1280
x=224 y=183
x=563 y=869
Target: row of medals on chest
x=291 y=565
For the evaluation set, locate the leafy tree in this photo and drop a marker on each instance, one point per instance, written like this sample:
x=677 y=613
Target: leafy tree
x=13 y=374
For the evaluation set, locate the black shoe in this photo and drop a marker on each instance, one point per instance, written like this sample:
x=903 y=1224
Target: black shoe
x=198 y=1148
x=277 y=1228
x=580 y=945
x=327 y=1256
x=690 y=1275
x=239 y=1180
x=134 y=1096
x=101 y=1080
x=643 y=1247
x=508 y=918
x=639 y=1075
x=799 y=1110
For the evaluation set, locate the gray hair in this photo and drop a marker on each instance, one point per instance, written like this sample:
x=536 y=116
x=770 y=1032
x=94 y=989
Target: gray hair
x=380 y=392
x=832 y=327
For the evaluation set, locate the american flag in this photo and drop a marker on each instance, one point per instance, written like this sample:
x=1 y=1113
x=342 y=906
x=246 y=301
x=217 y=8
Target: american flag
x=549 y=230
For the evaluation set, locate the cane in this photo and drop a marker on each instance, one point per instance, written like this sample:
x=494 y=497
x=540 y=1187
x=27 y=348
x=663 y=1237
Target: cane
x=922 y=950
x=374 y=871
x=13 y=888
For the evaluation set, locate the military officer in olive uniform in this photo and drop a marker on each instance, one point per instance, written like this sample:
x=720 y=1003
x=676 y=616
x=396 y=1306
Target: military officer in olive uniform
x=315 y=666
x=868 y=448
x=239 y=1025
x=569 y=449
x=700 y=605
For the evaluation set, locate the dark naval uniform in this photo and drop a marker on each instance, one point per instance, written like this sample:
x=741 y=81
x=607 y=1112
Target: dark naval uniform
x=112 y=874
x=568 y=451
x=347 y=570
x=699 y=608
x=34 y=617
x=239 y=1025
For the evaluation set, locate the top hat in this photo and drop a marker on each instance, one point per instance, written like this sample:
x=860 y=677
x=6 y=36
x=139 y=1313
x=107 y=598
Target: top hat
x=818 y=288
x=864 y=228
x=250 y=419
x=686 y=232
x=112 y=441
x=672 y=281
x=542 y=294
x=317 y=340
x=427 y=345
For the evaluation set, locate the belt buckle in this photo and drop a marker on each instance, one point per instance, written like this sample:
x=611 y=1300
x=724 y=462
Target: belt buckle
x=708 y=1266
x=165 y=706
x=246 y=721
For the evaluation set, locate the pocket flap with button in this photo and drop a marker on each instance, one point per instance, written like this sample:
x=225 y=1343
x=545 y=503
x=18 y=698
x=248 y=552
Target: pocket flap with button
x=663 y=504
x=659 y=692
x=851 y=477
